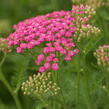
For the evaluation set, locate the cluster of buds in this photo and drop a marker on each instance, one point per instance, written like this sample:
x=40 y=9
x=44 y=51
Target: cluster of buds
x=86 y=31
x=83 y=29
x=54 y=32
x=97 y=3
x=4 y=47
x=102 y=55
x=93 y=3
x=83 y=13
x=40 y=85
x=83 y=10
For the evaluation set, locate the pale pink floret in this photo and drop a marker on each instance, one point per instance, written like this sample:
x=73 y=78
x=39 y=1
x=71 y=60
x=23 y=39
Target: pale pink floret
x=40 y=57
x=46 y=50
x=49 y=44
x=23 y=45
x=68 y=34
x=71 y=53
x=42 y=69
x=19 y=50
x=63 y=51
x=67 y=58
x=55 y=66
x=49 y=58
x=37 y=62
x=52 y=49
x=76 y=51
x=11 y=43
x=53 y=55
x=47 y=65
x=55 y=59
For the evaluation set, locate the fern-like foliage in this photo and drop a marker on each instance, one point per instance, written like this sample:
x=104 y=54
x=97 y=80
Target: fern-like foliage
x=20 y=70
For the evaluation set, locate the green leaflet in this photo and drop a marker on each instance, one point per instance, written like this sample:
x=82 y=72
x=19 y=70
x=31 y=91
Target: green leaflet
x=3 y=106
x=20 y=70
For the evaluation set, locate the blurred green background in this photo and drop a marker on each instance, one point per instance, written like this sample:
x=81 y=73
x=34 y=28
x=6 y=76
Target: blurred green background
x=13 y=11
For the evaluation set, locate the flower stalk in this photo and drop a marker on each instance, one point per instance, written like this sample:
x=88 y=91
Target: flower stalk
x=7 y=85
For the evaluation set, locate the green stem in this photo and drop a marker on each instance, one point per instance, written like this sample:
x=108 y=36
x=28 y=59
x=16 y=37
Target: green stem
x=50 y=104
x=86 y=92
x=106 y=86
x=15 y=97
x=83 y=75
x=5 y=82
x=86 y=85
x=2 y=61
x=57 y=77
x=64 y=103
x=77 y=63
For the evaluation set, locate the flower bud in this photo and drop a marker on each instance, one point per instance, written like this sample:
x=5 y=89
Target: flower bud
x=40 y=84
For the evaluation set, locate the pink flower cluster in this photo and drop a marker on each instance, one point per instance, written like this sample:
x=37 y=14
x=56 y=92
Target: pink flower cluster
x=102 y=55
x=54 y=30
x=84 y=12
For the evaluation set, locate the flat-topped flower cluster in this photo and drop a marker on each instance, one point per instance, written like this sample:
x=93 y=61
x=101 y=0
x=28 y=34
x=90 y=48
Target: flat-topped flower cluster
x=40 y=84
x=87 y=31
x=102 y=54
x=55 y=32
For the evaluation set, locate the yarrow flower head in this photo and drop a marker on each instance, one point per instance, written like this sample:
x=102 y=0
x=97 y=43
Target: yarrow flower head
x=4 y=47
x=86 y=32
x=53 y=33
x=40 y=85
x=102 y=55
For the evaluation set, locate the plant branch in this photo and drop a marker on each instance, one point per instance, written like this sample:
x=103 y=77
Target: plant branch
x=5 y=82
